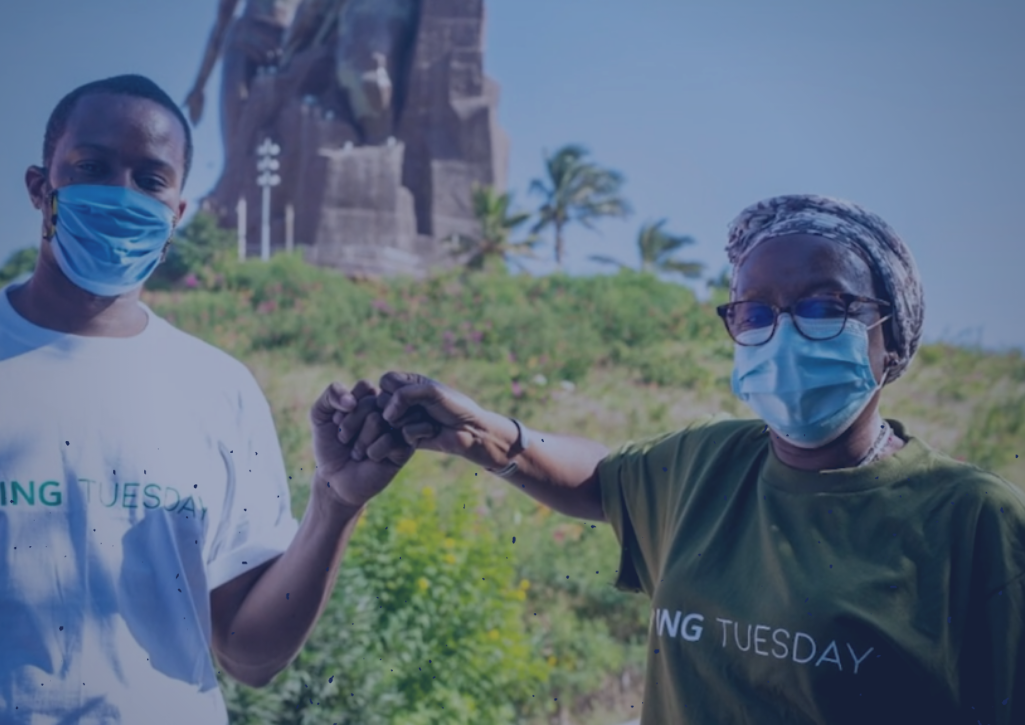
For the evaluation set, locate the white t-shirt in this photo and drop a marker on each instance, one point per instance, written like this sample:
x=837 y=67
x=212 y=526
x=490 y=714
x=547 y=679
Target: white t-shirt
x=136 y=476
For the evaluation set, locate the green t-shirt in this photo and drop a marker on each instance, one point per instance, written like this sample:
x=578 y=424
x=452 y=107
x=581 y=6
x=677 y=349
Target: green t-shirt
x=894 y=593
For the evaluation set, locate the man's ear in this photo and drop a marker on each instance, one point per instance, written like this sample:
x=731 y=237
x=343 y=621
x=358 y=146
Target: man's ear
x=37 y=182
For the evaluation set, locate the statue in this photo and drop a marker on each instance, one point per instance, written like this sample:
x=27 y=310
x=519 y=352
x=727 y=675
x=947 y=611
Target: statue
x=384 y=117
x=244 y=45
x=372 y=38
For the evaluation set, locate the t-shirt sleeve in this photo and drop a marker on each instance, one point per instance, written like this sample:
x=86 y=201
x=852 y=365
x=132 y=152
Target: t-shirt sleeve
x=257 y=523
x=993 y=672
x=634 y=491
x=993 y=658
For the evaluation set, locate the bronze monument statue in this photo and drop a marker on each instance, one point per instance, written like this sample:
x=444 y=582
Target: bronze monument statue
x=244 y=45
x=372 y=40
x=384 y=117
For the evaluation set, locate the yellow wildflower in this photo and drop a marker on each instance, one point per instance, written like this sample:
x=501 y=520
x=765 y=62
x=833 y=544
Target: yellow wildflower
x=524 y=584
x=493 y=634
x=552 y=660
x=427 y=491
x=423 y=583
x=450 y=559
x=406 y=526
x=449 y=542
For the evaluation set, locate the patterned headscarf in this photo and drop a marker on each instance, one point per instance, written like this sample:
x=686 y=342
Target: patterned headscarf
x=861 y=232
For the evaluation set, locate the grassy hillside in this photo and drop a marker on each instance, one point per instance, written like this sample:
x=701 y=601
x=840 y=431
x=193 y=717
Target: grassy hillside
x=612 y=358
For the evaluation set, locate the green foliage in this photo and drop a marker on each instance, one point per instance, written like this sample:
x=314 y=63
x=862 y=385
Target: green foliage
x=585 y=628
x=522 y=327
x=657 y=249
x=576 y=189
x=497 y=222
x=21 y=262
x=196 y=255
x=994 y=434
x=670 y=364
x=424 y=626
x=722 y=282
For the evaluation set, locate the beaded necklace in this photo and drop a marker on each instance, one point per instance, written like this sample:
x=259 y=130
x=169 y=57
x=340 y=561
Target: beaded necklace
x=877 y=447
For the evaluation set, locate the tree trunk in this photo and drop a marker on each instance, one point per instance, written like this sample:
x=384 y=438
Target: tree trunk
x=558 y=246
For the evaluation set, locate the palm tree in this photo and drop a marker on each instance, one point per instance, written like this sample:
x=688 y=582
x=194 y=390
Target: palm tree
x=497 y=223
x=576 y=190
x=722 y=282
x=657 y=248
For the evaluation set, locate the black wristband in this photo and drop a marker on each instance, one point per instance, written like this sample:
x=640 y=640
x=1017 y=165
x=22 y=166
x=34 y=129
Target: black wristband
x=521 y=444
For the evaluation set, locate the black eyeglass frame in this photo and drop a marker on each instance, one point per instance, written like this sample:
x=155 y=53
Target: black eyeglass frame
x=848 y=299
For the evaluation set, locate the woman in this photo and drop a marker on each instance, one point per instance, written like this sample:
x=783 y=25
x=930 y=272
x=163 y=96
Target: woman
x=819 y=564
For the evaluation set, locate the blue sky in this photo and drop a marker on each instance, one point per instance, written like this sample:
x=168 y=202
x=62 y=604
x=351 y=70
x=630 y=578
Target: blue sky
x=914 y=108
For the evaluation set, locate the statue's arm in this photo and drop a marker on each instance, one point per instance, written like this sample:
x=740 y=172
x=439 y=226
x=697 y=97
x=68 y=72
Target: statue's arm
x=225 y=13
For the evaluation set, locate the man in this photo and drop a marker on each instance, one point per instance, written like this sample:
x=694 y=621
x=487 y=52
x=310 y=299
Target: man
x=144 y=506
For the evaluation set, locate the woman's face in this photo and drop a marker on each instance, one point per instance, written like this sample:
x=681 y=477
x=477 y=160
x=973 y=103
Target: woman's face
x=782 y=270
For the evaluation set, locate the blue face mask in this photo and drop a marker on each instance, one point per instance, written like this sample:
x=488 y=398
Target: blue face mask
x=807 y=391
x=108 y=240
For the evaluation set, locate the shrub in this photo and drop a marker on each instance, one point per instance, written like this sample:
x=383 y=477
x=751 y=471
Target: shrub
x=991 y=439
x=424 y=626
x=19 y=263
x=200 y=249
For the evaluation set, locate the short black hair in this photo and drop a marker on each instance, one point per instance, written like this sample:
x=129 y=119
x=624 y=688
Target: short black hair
x=125 y=85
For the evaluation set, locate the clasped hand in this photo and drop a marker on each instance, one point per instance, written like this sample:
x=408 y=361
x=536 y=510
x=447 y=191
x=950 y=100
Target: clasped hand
x=362 y=437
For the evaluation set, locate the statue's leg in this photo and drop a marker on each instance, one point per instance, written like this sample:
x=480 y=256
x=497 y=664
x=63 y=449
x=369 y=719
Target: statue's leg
x=246 y=49
x=237 y=73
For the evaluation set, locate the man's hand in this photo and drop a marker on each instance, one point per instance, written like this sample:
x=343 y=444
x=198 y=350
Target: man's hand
x=357 y=453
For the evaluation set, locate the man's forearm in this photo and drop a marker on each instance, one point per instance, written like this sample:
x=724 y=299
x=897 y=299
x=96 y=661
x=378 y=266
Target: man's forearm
x=280 y=611
x=557 y=470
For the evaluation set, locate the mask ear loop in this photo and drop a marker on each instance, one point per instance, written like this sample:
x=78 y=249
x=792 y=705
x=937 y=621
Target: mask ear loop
x=170 y=240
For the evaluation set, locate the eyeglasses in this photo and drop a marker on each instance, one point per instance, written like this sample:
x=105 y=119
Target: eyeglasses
x=816 y=318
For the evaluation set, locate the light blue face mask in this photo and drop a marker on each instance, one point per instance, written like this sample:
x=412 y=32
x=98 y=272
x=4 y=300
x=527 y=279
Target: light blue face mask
x=108 y=240
x=807 y=391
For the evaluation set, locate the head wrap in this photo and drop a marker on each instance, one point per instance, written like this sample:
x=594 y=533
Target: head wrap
x=861 y=232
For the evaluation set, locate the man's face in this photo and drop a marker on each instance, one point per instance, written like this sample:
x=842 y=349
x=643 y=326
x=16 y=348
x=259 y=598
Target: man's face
x=116 y=140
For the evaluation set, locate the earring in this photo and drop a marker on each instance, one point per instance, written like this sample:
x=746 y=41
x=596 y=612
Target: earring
x=50 y=228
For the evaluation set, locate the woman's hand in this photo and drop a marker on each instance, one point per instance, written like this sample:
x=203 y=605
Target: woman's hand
x=435 y=417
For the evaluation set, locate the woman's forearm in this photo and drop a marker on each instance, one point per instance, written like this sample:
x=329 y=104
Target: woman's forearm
x=558 y=470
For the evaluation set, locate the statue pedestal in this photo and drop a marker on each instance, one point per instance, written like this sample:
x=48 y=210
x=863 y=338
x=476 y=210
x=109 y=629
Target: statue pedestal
x=367 y=221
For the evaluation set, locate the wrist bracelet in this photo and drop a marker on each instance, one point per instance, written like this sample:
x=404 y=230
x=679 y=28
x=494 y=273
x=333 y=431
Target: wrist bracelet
x=522 y=442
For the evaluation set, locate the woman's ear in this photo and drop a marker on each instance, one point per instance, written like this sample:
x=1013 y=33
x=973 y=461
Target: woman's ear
x=890 y=360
